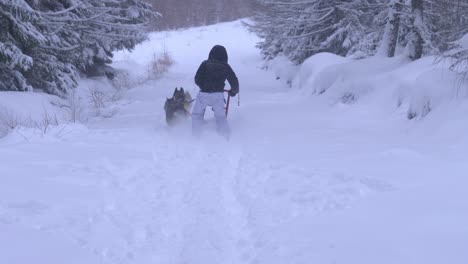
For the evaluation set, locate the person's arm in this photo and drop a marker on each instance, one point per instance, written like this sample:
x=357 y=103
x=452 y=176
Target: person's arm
x=200 y=76
x=233 y=81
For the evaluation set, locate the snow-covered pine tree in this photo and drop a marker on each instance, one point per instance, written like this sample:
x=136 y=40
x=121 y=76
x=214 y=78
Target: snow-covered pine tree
x=373 y=19
x=64 y=38
x=300 y=29
x=449 y=21
x=18 y=36
x=190 y=13
x=269 y=28
x=423 y=26
x=452 y=20
x=83 y=34
x=418 y=30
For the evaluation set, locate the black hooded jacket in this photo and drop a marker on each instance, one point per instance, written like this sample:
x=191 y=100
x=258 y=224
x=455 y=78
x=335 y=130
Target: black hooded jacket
x=213 y=73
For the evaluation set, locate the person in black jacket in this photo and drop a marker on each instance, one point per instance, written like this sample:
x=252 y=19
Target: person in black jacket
x=210 y=78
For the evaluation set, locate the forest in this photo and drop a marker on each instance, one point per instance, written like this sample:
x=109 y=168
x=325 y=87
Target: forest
x=362 y=28
x=47 y=45
x=189 y=13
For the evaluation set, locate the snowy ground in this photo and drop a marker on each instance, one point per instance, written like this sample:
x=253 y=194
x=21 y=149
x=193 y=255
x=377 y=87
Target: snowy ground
x=301 y=181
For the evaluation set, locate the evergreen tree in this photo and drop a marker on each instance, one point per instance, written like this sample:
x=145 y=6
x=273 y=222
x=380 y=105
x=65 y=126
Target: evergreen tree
x=300 y=29
x=65 y=38
x=190 y=13
x=430 y=26
x=449 y=20
x=453 y=23
x=18 y=36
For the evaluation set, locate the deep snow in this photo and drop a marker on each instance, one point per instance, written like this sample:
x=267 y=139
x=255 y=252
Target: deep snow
x=303 y=179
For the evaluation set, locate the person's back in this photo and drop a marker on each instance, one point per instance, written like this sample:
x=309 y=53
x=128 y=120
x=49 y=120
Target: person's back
x=210 y=78
x=213 y=73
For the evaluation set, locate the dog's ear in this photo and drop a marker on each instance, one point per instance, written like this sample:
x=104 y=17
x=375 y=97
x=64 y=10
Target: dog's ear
x=182 y=90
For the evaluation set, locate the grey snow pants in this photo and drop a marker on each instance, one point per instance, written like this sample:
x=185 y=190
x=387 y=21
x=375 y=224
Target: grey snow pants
x=215 y=100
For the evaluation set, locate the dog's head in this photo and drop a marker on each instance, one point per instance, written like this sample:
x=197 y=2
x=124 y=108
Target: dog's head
x=176 y=102
x=179 y=94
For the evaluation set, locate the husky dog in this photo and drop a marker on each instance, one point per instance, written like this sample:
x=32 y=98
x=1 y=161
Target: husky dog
x=178 y=106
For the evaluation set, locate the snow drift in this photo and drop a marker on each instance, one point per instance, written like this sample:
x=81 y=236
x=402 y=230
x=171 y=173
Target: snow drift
x=418 y=87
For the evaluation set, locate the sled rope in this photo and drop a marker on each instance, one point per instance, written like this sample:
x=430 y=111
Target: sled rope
x=191 y=101
x=227 y=104
x=229 y=100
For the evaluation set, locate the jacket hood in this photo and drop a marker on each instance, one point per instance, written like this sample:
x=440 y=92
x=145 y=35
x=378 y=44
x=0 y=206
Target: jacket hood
x=218 y=53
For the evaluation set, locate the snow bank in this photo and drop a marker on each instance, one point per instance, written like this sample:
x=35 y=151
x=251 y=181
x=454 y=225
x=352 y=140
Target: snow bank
x=26 y=104
x=463 y=42
x=35 y=117
x=313 y=67
x=39 y=112
x=420 y=86
x=45 y=134
x=101 y=97
x=283 y=68
x=355 y=77
x=432 y=89
x=26 y=109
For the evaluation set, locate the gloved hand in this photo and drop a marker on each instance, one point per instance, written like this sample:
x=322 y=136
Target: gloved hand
x=232 y=93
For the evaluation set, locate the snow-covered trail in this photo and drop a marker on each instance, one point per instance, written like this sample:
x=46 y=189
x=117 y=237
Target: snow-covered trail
x=299 y=182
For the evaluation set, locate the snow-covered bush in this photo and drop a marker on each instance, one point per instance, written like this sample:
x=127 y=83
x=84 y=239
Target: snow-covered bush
x=8 y=121
x=29 y=111
x=353 y=79
x=122 y=81
x=75 y=107
x=11 y=120
x=283 y=68
x=48 y=120
x=103 y=99
x=97 y=98
x=312 y=68
x=159 y=65
x=433 y=88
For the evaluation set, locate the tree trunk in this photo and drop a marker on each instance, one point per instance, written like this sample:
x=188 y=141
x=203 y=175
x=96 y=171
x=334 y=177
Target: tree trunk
x=416 y=42
x=390 y=38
